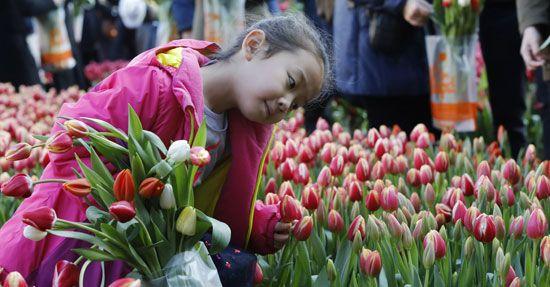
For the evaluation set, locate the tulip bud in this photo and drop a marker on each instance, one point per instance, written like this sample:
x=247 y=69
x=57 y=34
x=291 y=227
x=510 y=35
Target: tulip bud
x=543 y=187
x=373 y=230
x=167 y=199
x=516 y=227
x=357 y=226
x=389 y=200
x=286 y=189
x=357 y=243
x=370 y=262
x=545 y=250
x=510 y=276
x=151 y=187
x=500 y=262
x=426 y=175
x=484 y=228
x=483 y=168
x=423 y=141
x=18 y=152
x=537 y=226
x=124 y=187
x=290 y=209
x=179 y=151
x=439 y=245
x=321 y=213
x=79 y=187
x=14 y=279
x=441 y=162
x=413 y=177
x=324 y=177
x=122 y=211
x=303 y=228
x=20 y=185
x=187 y=221
x=393 y=225
x=428 y=256
x=126 y=282
x=270 y=186
x=362 y=170
x=415 y=201
x=429 y=195
x=406 y=237
x=332 y=274
x=258 y=274
x=459 y=211
x=335 y=221
x=66 y=274
x=199 y=156
x=378 y=171
x=41 y=218
x=484 y=186
x=310 y=199
x=355 y=191
x=76 y=128
x=469 y=247
x=515 y=283
x=337 y=165
x=467 y=184
x=444 y=210
x=60 y=142
x=511 y=172
x=301 y=174
x=420 y=158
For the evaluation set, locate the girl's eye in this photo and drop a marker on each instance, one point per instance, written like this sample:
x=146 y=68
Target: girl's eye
x=291 y=82
x=294 y=106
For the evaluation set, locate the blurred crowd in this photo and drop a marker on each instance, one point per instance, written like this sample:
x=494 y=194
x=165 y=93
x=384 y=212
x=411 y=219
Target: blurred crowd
x=379 y=47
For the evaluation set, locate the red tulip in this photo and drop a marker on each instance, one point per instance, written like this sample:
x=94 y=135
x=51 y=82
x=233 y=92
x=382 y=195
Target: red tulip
x=355 y=191
x=415 y=200
x=485 y=185
x=372 y=137
x=378 y=171
x=18 y=152
x=543 y=187
x=272 y=199
x=291 y=149
x=42 y=218
x=66 y=274
x=122 y=211
x=413 y=177
x=357 y=226
x=455 y=196
x=258 y=274
x=401 y=164
x=389 y=201
x=417 y=131
x=124 y=187
x=469 y=219
x=537 y=224
x=372 y=201
x=420 y=158
x=441 y=162
x=324 y=178
x=483 y=168
x=438 y=243
x=423 y=141
x=395 y=228
x=286 y=189
x=370 y=263
x=60 y=142
x=79 y=187
x=510 y=276
x=362 y=170
x=277 y=153
x=511 y=172
x=328 y=152
x=381 y=147
x=76 y=128
x=287 y=169
x=303 y=228
x=305 y=154
x=151 y=187
x=444 y=210
x=271 y=186
x=467 y=185
x=199 y=156
x=516 y=227
x=426 y=175
x=335 y=221
x=20 y=185
x=484 y=228
x=310 y=199
x=14 y=279
x=459 y=212
x=509 y=195
x=337 y=165
x=126 y=282
x=301 y=174
x=290 y=209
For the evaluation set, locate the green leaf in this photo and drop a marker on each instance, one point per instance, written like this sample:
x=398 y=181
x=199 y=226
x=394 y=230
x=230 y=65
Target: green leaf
x=113 y=234
x=221 y=233
x=106 y=143
x=80 y=236
x=101 y=169
x=134 y=125
x=200 y=138
x=161 y=169
x=97 y=184
x=138 y=171
x=41 y=137
x=156 y=141
x=304 y=261
x=96 y=215
x=179 y=184
x=137 y=150
x=319 y=254
x=115 y=131
x=94 y=254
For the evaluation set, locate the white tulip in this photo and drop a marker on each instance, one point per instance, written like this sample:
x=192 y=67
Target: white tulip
x=34 y=234
x=178 y=152
x=464 y=3
x=167 y=199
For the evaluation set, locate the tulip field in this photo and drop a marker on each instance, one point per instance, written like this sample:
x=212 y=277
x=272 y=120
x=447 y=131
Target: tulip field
x=372 y=207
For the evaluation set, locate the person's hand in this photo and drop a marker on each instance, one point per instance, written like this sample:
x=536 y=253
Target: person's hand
x=530 y=48
x=282 y=234
x=417 y=12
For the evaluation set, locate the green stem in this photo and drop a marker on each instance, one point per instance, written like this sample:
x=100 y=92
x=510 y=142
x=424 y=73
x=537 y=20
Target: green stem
x=49 y=181
x=156 y=263
x=427 y=278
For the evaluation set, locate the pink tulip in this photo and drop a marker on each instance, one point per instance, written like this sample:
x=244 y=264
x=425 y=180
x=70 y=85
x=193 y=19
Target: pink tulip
x=370 y=263
x=324 y=178
x=14 y=279
x=303 y=228
x=126 y=282
x=199 y=156
x=42 y=218
x=335 y=221
x=511 y=172
x=290 y=209
x=483 y=168
x=537 y=226
x=459 y=212
x=413 y=177
x=516 y=227
x=426 y=174
x=301 y=175
x=484 y=228
x=66 y=274
x=372 y=200
x=60 y=142
x=420 y=158
x=272 y=199
x=337 y=165
x=357 y=226
x=467 y=185
x=543 y=187
x=310 y=199
x=362 y=170
x=355 y=191
x=388 y=200
x=18 y=152
x=438 y=243
x=20 y=185
x=441 y=162
x=271 y=186
x=286 y=189
x=287 y=169
x=417 y=131
x=122 y=211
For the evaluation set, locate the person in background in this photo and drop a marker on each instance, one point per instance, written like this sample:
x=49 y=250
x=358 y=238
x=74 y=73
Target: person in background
x=387 y=72
x=17 y=65
x=534 y=26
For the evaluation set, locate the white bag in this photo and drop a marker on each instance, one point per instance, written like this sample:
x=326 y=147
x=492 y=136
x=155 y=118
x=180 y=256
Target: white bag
x=55 y=46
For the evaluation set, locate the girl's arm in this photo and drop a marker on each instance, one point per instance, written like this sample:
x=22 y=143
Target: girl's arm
x=263 y=228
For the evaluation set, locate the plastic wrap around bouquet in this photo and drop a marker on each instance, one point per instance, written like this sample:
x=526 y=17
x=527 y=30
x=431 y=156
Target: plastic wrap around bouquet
x=451 y=59
x=145 y=214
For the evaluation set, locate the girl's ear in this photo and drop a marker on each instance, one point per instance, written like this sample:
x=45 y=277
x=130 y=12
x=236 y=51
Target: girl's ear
x=252 y=43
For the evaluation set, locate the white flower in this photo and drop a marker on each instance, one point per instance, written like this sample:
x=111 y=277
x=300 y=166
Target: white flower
x=34 y=234
x=178 y=152
x=464 y=3
x=167 y=199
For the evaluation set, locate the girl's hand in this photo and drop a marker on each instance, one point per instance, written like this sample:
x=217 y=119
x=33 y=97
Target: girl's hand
x=282 y=234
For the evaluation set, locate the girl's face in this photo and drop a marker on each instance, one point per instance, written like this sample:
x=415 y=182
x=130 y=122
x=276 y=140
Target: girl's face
x=266 y=89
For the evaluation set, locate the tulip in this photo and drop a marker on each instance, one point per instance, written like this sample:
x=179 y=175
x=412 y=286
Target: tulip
x=420 y=158
x=483 y=168
x=415 y=200
x=372 y=201
x=511 y=172
x=439 y=245
x=335 y=221
x=151 y=187
x=515 y=283
x=258 y=274
x=362 y=170
x=413 y=177
x=423 y=141
x=332 y=274
x=484 y=228
x=370 y=262
x=124 y=187
x=394 y=226
x=310 y=199
x=167 y=199
x=441 y=162
x=510 y=276
x=305 y=154
x=76 y=128
x=79 y=187
x=537 y=224
x=378 y=171
x=287 y=169
x=543 y=187
x=286 y=189
x=428 y=256
x=429 y=195
x=444 y=210
x=66 y=274
x=186 y=223
x=271 y=186
x=357 y=226
x=426 y=175
x=500 y=227
x=389 y=201
x=337 y=165
x=381 y=147
x=459 y=212
x=18 y=152
x=417 y=131
x=178 y=152
x=60 y=142
x=272 y=199
x=290 y=148
x=401 y=164
x=467 y=185
x=126 y=282
x=290 y=209
x=372 y=137
x=199 y=156
x=545 y=250
x=303 y=228
x=324 y=177
x=277 y=153
x=485 y=186
x=122 y=211
x=20 y=185
x=42 y=218
x=14 y=279
x=355 y=191
x=516 y=227
x=301 y=174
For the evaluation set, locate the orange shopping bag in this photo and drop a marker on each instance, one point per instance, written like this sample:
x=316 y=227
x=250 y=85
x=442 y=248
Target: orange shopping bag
x=55 y=47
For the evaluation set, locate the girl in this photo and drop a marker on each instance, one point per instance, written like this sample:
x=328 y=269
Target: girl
x=275 y=66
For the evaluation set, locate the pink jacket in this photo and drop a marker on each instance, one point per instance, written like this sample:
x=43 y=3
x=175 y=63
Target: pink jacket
x=159 y=94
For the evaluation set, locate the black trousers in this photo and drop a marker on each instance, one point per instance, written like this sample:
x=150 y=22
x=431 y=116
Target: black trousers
x=500 y=43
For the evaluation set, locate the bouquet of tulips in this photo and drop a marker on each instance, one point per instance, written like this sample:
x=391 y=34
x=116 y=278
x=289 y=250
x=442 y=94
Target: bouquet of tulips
x=457 y=18
x=383 y=208
x=144 y=215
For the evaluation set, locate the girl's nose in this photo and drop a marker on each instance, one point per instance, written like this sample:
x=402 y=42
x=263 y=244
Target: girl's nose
x=284 y=104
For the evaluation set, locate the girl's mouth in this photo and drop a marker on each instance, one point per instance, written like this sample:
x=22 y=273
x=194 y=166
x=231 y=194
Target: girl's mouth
x=267 y=110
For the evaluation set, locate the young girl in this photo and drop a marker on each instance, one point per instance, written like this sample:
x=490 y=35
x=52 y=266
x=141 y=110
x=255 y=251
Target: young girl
x=275 y=66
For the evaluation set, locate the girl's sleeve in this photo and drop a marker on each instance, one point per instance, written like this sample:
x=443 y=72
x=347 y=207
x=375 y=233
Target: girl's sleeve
x=263 y=228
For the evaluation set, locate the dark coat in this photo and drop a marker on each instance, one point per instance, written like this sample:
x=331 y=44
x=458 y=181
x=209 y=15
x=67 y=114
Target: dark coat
x=362 y=71
x=16 y=62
